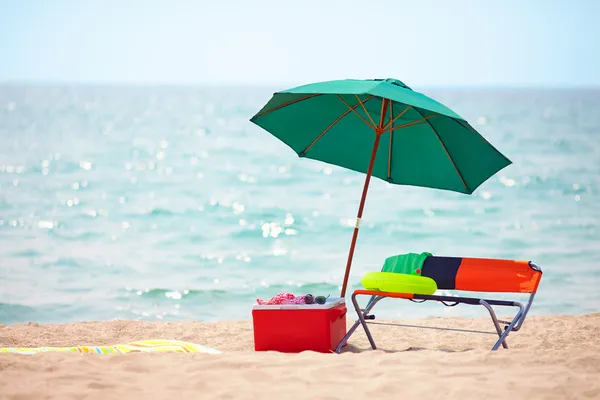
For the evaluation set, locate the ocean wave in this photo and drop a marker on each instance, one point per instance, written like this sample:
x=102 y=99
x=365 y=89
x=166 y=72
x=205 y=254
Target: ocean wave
x=270 y=290
x=69 y=236
x=27 y=253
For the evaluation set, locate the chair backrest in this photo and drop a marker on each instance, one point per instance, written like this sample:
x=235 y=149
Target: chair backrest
x=483 y=274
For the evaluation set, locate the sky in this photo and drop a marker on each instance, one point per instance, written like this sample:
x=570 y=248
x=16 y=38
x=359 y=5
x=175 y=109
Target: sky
x=533 y=43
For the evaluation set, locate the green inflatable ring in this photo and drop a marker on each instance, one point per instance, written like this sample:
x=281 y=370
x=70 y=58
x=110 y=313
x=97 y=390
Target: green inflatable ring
x=398 y=283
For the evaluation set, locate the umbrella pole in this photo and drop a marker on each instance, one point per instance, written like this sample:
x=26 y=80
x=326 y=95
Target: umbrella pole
x=378 y=133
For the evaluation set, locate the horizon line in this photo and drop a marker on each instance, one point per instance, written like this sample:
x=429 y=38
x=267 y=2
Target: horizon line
x=289 y=84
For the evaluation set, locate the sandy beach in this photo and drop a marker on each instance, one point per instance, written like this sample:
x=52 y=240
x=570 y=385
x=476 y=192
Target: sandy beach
x=552 y=357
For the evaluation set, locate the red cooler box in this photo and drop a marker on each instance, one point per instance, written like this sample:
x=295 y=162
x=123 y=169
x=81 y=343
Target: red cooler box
x=293 y=328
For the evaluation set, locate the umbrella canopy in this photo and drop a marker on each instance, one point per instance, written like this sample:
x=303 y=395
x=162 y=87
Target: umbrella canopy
x=382 y=128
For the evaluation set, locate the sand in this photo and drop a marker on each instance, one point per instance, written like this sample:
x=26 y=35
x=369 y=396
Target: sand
x=552 y=357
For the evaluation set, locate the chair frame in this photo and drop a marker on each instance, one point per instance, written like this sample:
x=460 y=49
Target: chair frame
x=510 y=326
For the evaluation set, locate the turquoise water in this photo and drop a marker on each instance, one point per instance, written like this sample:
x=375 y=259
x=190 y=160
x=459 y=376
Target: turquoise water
x=167 y=203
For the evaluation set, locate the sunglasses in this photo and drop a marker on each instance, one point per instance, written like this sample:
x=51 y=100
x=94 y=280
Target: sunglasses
x=310 y=299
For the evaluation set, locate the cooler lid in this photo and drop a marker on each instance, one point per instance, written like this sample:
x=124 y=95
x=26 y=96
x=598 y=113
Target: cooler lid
x=329 y=303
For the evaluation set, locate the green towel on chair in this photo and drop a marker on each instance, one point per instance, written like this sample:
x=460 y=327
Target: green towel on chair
x=410 y=263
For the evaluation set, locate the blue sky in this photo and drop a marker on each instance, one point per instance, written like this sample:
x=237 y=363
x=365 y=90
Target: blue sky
x=426 y=42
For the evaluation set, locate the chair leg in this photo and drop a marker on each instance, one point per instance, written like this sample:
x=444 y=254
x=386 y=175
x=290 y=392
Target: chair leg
x=361 y=318
x=360 y=321
x=507 y=330
x=344 y=340
x=524 y=313
x=502 y=335
x=496 y=323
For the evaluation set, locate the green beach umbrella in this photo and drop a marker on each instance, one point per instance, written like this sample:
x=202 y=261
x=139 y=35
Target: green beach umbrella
x=383 y=128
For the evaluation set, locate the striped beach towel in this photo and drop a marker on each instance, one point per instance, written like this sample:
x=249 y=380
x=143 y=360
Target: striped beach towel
x=141 y=346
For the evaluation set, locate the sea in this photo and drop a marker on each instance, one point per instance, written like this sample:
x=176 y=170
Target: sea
x=167 y=203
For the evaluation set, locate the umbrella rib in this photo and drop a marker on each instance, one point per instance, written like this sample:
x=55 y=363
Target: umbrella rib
x=302 y=153
x=391 y=142
x=287 y=104
x=389 y=124
x=447 y=153
x=384 y=104
x=460 y=122
x=417 y=122
x=355 y=112
x=364 y=108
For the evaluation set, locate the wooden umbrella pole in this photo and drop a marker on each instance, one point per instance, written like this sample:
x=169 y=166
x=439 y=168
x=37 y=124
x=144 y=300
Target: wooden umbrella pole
x=378 y=132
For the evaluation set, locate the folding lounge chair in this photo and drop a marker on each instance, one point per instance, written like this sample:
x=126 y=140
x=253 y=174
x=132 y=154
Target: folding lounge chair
x=465 y=274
